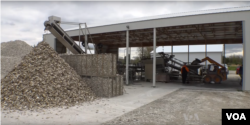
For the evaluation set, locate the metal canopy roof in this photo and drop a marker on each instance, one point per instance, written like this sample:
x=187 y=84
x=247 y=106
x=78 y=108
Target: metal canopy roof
x=227 y=32
x=212 y=33
x=173 y=15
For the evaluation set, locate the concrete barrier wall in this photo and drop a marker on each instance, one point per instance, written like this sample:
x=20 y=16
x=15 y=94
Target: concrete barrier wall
x=99 y=72
x=105 y=86
x=93 y=65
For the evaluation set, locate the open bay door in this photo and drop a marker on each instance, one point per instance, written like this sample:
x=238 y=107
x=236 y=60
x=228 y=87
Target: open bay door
x=53 y=26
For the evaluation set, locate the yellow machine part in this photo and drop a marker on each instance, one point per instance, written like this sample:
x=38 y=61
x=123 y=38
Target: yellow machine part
x=222 y=75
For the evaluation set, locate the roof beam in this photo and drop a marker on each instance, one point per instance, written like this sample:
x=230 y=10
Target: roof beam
x=191 y=42
x=196 y=27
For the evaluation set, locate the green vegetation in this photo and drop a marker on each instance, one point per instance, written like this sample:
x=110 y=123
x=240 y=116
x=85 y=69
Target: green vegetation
x=232 y=67
x=234 y=60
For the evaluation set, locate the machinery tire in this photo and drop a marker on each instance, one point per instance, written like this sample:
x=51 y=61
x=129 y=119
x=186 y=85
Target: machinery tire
x=217 y=79
x=207 y=79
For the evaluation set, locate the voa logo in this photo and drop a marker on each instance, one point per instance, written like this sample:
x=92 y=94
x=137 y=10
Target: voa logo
x=236 y=116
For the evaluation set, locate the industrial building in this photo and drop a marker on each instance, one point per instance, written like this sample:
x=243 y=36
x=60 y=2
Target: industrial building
x=219 y=26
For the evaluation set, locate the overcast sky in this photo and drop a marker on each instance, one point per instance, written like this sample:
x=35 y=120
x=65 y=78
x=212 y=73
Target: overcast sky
x=24 y=20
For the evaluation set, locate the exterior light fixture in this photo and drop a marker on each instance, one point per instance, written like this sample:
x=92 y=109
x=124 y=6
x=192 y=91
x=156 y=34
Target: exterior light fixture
x=127 y=26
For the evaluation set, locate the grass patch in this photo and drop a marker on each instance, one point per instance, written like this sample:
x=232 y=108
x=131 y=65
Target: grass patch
x=232 y=67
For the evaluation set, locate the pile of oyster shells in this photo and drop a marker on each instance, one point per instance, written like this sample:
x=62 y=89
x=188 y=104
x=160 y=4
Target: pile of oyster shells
x=15 y=48
x=11 y=55
x=43 y=80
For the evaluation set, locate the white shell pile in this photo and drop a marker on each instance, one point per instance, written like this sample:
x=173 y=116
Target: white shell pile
x=43 y=80
x=11 y=55
x=15 y=48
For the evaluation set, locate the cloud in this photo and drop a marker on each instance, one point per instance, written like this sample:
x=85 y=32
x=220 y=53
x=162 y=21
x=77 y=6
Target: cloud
x=7 y=23
x=24 y=20
x=234 y=49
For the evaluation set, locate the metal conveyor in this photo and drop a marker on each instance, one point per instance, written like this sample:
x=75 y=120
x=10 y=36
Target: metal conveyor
x=53 y=26
x=170 y=61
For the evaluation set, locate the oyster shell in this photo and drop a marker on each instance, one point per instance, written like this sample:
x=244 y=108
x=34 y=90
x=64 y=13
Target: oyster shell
x=43 y=80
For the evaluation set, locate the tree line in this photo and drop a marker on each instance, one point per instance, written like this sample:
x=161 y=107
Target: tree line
x=142 y=52
x=233 y=60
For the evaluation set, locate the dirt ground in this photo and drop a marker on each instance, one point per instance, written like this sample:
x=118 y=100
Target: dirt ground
x=185 y=107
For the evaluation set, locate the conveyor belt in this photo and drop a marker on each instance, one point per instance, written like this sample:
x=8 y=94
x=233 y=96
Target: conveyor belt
x=171 y=61
x=61 y=35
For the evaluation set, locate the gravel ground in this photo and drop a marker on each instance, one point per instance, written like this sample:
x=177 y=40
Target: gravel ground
x=185 y=107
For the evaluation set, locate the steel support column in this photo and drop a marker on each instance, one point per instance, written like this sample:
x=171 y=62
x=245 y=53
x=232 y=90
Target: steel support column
x=154 y=57
x=127 y=51
x=79 y=35
x=142 y=52
x=206 y=54
x=141 y=59
x=224 y=54
x=188 y=53
x=246 y=54
x=171 y=49
x=86 y=42
x=172 y=54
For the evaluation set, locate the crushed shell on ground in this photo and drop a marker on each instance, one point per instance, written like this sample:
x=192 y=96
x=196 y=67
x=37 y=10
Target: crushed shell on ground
x=43 y=80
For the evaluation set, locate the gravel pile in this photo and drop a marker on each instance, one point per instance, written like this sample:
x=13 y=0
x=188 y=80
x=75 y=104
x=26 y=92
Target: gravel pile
x=8 y=63
x=43 y=80
x=15 y=48
x=11 y=55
